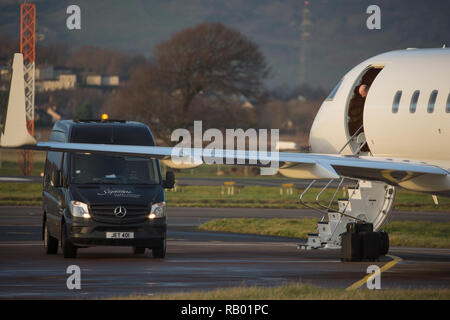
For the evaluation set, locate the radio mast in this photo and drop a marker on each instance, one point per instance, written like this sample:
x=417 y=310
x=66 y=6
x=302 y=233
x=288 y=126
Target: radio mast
x=28 y=49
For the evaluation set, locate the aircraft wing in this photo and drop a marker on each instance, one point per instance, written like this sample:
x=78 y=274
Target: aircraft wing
x=295 y=165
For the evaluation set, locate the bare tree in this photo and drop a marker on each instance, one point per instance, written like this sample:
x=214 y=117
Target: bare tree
x=211 y=58
x=209 y=65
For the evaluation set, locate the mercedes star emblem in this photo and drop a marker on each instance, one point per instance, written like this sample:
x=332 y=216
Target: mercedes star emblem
x=120 y=212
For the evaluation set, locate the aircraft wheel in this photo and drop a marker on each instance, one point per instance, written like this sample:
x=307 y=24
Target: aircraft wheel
x=384 y=238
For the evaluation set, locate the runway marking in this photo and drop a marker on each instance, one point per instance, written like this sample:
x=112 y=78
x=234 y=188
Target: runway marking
x=182 y=243
x=22 y=233
x=386 y=267
x=27 y=243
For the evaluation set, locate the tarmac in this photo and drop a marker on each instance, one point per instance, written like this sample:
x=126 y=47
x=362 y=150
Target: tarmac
x=198 y=260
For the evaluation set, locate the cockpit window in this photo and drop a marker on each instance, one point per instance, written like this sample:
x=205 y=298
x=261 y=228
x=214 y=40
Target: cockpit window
x=333 y=92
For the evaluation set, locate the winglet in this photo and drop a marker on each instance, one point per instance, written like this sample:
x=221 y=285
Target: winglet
x=15 y=133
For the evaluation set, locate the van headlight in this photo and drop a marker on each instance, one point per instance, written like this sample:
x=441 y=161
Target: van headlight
x=158 y=210
x=79 y=209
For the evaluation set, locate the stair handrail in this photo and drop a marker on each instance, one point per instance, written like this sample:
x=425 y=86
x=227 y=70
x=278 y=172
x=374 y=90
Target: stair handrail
x=351 y=138
x=334 y=195
x=335 y=192
x=304 y=203
x=318 y=197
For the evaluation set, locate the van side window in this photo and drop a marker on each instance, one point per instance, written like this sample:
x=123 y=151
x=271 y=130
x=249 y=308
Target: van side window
x=447 y=108
x=414 y=99
x=64 y=166
x=396 y=102
x=52 y=164
x=432 y=101
x=58 y=136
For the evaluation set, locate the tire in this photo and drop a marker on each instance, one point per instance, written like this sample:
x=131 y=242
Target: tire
x=159 y=252
x=384 y=238
x=138 y=250
x=69 y=250
x=50 y=243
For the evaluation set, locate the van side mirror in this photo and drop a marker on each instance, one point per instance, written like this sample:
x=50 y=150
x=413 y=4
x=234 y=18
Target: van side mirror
x=56 y=178
x=169 y=182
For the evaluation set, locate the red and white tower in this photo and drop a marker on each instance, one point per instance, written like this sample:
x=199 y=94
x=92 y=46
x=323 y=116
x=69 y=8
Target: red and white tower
x=28 y=49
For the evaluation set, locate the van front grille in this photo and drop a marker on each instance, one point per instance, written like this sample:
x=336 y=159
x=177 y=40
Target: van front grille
x=134 y=214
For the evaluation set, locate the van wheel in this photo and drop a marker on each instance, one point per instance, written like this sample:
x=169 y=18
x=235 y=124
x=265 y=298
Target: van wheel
x=138 y=250
x=160 y=251
x=69 y=250
x=50 y=243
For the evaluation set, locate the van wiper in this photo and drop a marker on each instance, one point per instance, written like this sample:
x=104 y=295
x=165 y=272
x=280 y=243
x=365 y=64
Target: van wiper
x=110 y=182
x=116 y=182
x=106 y=181
x=93 y=183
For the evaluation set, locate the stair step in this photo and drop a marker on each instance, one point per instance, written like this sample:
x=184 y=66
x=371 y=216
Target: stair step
x=334 y=216
x=314 y=241
x=345 y=205
x=324 y=232
x=354 y=196
x=323 y=227
x=365 y=184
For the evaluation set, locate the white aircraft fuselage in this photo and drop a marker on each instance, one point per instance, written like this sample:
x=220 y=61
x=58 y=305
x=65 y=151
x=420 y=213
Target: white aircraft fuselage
x=406 y=114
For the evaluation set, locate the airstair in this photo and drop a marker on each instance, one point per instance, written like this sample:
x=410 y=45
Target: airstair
x=364 y=201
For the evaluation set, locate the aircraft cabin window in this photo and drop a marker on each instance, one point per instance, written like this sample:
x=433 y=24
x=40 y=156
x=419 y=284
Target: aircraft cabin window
x=447 y=109
x=333 y=92
x=414 y=99
x=432 y=101
x=396 y=102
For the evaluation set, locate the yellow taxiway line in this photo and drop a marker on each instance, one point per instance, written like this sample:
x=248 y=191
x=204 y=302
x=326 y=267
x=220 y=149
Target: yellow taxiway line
x=386 y=267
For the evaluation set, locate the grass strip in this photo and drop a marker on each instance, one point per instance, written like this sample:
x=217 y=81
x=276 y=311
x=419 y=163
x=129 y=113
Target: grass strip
x=424 y=234
x=15 y=193
x=297 y=291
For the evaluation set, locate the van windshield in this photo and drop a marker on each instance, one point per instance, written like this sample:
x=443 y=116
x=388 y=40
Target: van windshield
x=105 y=169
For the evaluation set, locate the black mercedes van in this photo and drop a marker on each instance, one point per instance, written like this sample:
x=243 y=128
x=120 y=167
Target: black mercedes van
x=100 y=199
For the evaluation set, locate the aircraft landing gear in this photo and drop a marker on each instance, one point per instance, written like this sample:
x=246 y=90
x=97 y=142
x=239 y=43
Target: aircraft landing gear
x=361 y=243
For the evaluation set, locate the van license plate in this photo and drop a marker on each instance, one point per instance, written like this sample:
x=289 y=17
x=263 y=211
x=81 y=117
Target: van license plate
x=120 y=235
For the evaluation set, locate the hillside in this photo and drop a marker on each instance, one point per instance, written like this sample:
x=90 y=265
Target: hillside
x=339 y=34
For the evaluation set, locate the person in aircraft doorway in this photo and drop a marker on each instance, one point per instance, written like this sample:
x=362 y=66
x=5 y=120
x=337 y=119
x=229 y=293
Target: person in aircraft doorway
x=356 y=108
x=363 y=90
